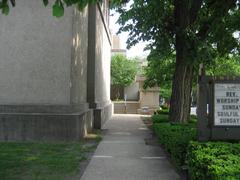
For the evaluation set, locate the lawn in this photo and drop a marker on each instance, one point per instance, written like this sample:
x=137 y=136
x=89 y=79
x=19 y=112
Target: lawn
x=41 y=160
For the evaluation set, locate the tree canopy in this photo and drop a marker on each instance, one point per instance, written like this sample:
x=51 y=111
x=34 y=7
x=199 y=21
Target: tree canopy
x=57 y=8
x=59 y=5
x=194 y=31
x=123 y=70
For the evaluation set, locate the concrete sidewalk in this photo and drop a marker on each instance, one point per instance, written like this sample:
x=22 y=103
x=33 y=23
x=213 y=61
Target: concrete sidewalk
x=124 y=155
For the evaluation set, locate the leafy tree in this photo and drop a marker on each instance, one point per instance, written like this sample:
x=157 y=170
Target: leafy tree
x=159 y=71
x=195 y=31
x=123 y=70
x=59 y=5
x=224 y=66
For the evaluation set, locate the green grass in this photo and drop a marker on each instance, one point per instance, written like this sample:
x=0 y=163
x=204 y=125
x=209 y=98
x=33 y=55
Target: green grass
x=41 y=160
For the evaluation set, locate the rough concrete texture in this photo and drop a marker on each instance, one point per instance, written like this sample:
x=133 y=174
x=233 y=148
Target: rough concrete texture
x=35 y=56
x=124 y=155
x=103 y=58
x=44 y=68
x=130 y=107
x=132 y=92
x=98 y=90
x=45 y=127
x=101 y=115
x=79 y=57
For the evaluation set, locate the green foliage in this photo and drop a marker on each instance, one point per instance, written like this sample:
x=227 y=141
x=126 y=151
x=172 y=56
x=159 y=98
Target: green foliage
x=163 y=107
x=202 y=27
x=58 y=7
x=4 y=6
x=211 y=160
x=225 y=66
x=175 y=138
x=159 y=71
x=117 y=3
x=214 y=161
x=45 y=2
x=163 y=110
x=165 y=93
x=123 y=70
x=191 y=31
x=160 y=118
x=193 y=119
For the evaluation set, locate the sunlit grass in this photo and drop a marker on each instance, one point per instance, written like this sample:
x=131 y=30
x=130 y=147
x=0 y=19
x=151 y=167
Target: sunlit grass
x=41 y=160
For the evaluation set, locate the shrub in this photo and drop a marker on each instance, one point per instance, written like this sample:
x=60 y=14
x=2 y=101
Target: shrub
x=175 y=138
x=193 y=119
x=159 y=118
x=162 y=111
x=165 y=107
x=213 y=160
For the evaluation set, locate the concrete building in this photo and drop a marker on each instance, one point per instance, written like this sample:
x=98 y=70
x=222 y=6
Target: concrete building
x=54 y=73
x=116 y=46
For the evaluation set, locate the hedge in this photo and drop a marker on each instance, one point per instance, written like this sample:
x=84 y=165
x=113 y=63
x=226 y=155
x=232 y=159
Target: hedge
x=163 y=110
x=205 y=160
x=214 y=160
x=175 y=138
x=160 y=118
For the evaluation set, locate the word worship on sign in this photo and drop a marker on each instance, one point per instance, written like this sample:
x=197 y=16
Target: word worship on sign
x=226 y=104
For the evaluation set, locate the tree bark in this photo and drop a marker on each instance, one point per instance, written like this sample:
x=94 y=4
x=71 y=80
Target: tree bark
x=180 y=103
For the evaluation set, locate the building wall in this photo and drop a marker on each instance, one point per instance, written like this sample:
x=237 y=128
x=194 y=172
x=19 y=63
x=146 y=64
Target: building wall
x=132 y=92
x=35 y=50
x=54 y=73
x=103 y=57
x=98 y=89
x=79 y=57
x=116 y=42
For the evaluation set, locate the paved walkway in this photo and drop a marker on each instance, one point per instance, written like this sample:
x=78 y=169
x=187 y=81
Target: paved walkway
x=124 y=155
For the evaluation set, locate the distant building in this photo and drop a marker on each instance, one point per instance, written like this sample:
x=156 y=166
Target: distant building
x=130 y=92
x=116 y=46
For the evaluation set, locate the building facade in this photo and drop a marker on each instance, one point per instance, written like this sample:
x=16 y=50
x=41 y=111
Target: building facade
x=54 y=72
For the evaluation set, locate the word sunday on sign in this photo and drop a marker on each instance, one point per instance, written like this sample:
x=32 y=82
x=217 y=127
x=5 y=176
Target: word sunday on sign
x=226 y=104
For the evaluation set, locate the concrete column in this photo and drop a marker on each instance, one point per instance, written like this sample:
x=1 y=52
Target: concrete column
x=98 y=75
x=91 y=56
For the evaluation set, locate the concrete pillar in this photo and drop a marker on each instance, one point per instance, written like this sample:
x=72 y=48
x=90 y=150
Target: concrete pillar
x=99 y=49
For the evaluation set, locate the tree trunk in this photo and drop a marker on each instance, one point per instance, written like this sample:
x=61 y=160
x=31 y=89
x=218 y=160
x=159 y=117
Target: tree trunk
x=180 y=103
x=188 y=92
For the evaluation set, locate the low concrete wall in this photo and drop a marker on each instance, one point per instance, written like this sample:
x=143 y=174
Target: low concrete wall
x=132 y=92
x=131 y=107
x=45 y=127
x=102 y=114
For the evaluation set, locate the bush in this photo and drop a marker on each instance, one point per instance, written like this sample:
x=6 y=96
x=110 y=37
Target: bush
x=160 y=118
x=162 y=111
x=213 y=160
x=175 y=138
x=193 y=119
x=164 y=107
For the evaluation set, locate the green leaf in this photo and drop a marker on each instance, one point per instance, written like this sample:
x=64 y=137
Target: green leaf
x=58 y=9
x=68 y=2
x=5 y=9
x=45 y=2
x=82 y=4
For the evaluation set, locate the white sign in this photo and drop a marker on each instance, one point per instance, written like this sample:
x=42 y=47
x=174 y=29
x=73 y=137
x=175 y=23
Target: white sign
x=227 y=104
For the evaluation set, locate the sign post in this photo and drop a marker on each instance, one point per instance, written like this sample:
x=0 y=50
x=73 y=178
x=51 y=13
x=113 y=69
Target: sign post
x=218 y=109
x=226 y=104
